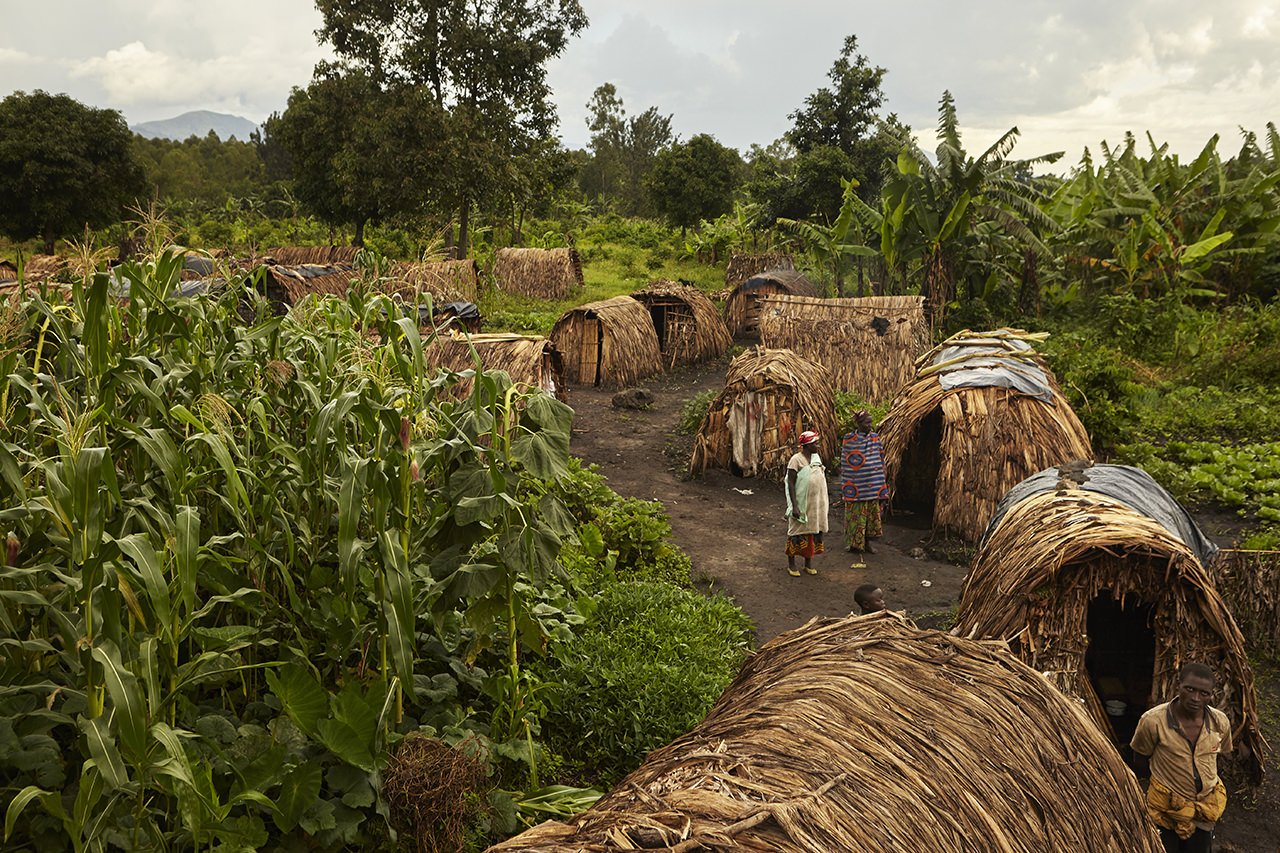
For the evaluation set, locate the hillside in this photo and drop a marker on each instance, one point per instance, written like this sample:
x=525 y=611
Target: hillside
x=196 y=123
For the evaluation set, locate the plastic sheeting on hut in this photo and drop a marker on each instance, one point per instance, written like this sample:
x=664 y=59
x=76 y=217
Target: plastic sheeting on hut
x=742 y=308
x=952 y=454
x=543 y=273
x=609 y=344
x=868 y=345
x=769 y=398
x=866 y=733
x=688 y=326
x=1108 y=602
x=531 y=361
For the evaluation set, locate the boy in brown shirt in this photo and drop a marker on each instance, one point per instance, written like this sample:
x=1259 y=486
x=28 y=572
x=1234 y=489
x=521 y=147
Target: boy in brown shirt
x=1182 y=739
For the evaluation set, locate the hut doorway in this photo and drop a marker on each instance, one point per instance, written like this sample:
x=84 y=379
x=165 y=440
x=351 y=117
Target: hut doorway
x=916 y=488
x=591 y=351
x=1121 y=658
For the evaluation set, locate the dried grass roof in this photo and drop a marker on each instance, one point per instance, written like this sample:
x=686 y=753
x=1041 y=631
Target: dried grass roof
x=743 y=304
x=445 y=281
x=991 y=440
x=531 y=361
x=868 y=344
x=291 y=256
x=1051 y=554
x=787 y=379
x=698 y=333
x=866 y=733
x=628 y=347
x=543 y=273
x=743 y=266
x=285 y=284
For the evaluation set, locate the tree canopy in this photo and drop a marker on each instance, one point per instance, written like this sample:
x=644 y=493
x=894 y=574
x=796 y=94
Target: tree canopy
x=623 y=150
x=694 y=180
x=63 y=165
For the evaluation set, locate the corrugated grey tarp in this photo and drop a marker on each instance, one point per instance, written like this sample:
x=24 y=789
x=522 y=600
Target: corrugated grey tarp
x=994 y=368
x=1131 y=486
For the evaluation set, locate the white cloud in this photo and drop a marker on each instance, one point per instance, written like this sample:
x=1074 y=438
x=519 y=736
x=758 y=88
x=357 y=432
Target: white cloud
x=9 y=55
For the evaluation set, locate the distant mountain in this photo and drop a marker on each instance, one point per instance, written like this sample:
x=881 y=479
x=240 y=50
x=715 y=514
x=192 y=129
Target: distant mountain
x=197 y=123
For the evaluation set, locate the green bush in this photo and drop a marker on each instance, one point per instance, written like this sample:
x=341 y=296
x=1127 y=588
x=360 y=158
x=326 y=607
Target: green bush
x=637 y=531
x=694 y=410
x=849 y=404
x=645 y=668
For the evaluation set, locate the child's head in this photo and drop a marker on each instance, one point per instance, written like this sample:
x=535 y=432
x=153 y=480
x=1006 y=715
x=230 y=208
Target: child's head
x=870 y=598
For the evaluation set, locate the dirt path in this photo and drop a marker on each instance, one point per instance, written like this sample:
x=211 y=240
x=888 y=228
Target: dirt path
x=735 y=539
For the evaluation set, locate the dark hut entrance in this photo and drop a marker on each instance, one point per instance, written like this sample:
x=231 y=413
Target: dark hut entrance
x=1121 y=658
x=916 y=488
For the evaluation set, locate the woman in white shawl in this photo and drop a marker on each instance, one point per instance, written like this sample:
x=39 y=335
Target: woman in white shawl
x=807 y=505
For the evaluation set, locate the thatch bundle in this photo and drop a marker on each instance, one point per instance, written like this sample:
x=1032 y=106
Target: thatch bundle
x=543 y=273
x=954 y=453
x=610 y=343
x=445 y=281
x=531 y=361
x=742 y=308
x=292 y=256
x=1250 y=584
x=743 y=266
x=1108 y=604
x=869 y=345
x=688 y=325
x=866 y=733
x=35 y=268
x=770 y=396
x=285 y=286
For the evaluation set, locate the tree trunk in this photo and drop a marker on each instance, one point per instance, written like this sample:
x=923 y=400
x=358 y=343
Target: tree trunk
x=464 y=221
x=358 y=238
x=49 y=239
x=448 y=239
x=862 y=287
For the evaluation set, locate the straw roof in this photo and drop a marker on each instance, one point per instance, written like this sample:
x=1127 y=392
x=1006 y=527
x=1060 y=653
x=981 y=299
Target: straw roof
x=286 y=285
x=1050 y=555
x=531 y=361
x=35 y=268
x=688 y=325
x=869 y=345
x=866 y=733
x=445 y=281
x=610 y=343
x=291 y=256
x=742 y=308
x=544 y=273
x=770 y=396
x=743 y=266
x=981 y=441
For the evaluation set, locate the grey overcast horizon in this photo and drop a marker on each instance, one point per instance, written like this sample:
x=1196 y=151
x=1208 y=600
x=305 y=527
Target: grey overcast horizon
x=1067 y=74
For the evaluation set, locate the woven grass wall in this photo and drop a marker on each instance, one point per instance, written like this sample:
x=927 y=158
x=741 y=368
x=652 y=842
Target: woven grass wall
x=991 y=440
x=868 y=734
x=692 y=329
x=286 y=285
x=742 y=308
x=1250 y=584
x=531 y=361
x=743 y=266
x=445 y=281
x=868 y=345
x=291 y=256
x=1049 y=557
x=787 y=394
x=542 y=273
x=610 y=343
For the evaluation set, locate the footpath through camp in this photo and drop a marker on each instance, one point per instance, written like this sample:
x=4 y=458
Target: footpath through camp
x=733 y=530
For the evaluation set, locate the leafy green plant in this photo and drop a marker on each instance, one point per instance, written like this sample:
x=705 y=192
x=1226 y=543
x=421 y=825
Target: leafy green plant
x=694 y=410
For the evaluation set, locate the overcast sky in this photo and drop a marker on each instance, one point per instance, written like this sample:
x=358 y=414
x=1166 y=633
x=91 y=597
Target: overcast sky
x=1066 y=73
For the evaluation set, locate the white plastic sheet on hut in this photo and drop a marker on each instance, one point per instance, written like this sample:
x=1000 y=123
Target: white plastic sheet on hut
x=988 y=366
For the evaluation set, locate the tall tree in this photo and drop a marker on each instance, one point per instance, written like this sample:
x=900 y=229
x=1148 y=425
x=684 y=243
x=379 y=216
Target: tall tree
x=483 y=64
x=694 y=180
x=623 y=150
x=63 y=165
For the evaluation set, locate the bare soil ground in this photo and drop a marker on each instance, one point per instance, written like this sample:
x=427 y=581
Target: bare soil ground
x=733 y=530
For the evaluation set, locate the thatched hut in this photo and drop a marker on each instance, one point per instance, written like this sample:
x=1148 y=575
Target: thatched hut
x=688 y=325
x=743 y=266
x=444 y=281
x=292 y=256
x=1250 y=585
x=284 y=286
x=770 y=396
x=543 y=273
x=531 y=361
x=868 y=345
x=35 y=268
x=983 y=413
x=742 y=308
x=608 y=344
x=866 y=733
x=1096 y=577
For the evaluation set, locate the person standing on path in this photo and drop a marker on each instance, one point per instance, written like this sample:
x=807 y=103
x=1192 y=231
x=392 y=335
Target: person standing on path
x=807 y=505
x=1179 y=743
x=862 y=485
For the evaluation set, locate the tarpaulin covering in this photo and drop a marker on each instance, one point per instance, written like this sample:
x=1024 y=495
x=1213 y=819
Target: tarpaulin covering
x=992 y=366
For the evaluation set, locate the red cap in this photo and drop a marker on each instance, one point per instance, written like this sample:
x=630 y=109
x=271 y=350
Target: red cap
x=808 y=437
